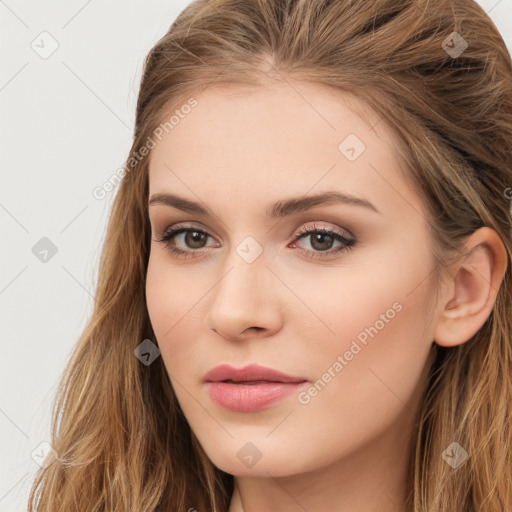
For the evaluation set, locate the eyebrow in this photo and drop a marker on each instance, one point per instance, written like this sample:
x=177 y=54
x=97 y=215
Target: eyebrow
x=278 y=209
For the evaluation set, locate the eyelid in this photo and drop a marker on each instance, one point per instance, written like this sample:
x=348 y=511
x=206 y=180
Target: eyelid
x=348 y=240
x=176 y=229
x=308 y=228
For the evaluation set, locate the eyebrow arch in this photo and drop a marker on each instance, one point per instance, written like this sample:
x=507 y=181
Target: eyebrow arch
x=278 y=209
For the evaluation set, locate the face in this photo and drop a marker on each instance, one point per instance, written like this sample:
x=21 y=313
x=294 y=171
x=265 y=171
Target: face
x=332 y=293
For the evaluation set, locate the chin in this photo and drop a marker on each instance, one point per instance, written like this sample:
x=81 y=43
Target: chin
x=246 y=459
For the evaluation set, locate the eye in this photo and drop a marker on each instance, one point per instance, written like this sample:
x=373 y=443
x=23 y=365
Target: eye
x=193 y=237
x=321 y=240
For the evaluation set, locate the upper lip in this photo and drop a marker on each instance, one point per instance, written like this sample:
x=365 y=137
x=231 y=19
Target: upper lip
x=252 y=372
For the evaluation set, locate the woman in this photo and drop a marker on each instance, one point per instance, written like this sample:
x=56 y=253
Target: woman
x=322 y=189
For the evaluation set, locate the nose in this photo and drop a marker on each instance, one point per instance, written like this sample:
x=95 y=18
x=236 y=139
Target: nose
x=245 y=302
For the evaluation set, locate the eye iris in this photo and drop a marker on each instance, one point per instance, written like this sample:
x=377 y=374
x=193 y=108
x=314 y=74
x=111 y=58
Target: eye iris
x=193 y=237
x=320 y=237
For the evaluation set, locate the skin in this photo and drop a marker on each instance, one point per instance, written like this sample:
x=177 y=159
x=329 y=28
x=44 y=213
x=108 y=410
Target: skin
x=239 y=150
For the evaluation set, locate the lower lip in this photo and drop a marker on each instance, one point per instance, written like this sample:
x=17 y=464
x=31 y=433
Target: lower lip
x=251 y=397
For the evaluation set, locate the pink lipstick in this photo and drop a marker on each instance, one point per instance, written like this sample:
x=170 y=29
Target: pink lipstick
x=251 y=388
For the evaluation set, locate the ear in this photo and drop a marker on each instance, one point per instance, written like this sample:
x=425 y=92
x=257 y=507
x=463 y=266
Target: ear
x=472 y=289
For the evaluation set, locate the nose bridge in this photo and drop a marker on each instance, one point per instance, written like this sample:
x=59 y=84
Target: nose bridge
x=243 y=296
x=243 y=275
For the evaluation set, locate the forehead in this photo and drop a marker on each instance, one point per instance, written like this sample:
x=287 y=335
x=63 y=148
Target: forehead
x=287 y=138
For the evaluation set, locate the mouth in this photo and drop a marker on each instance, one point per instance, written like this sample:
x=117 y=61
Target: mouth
x=255 y=382
x=251 y=388
x=251 y=396
x=251 y=374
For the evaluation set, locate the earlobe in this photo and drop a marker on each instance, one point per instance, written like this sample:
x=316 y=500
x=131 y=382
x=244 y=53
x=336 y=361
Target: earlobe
x=477 y=276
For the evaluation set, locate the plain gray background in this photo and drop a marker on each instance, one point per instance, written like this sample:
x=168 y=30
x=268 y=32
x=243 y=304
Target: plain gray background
x=66 y=127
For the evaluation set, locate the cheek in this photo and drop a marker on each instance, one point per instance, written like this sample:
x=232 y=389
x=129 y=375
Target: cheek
x=364 y=336
x=174 y=306
x=366 y=298
x=375 y=366
x=160 y=296
x=360 y=389
x=169 y=294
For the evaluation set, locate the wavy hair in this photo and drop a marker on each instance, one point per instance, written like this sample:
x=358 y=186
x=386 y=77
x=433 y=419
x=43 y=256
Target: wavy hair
x=122 y=440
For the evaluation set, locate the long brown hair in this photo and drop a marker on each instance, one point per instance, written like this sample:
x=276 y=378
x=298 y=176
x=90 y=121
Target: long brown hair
x=122 y=440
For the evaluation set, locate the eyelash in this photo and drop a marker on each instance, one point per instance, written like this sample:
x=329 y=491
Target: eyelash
x=170 y=233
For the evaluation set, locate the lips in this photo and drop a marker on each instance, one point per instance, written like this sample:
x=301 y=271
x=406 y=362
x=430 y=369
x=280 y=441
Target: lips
x=251 y=374
x=250 y=389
